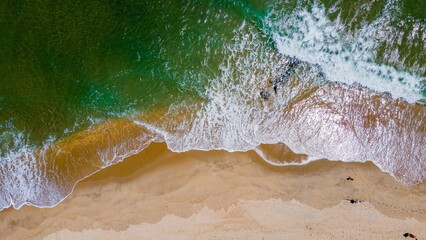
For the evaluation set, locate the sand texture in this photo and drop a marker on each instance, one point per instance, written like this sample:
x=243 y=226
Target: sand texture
x=158 y=194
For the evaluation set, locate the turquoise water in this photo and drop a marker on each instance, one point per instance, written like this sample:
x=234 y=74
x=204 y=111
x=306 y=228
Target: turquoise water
x=357 y=69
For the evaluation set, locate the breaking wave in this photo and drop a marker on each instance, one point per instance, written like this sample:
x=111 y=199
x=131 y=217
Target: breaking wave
x=351 y=56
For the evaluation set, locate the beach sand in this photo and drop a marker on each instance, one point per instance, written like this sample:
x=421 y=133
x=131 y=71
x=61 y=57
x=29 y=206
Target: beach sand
x=158 y=194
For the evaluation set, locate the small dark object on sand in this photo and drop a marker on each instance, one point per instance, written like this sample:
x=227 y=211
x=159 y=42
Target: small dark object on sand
x=275 y=89
x=349 y=179
x=409 y=235
x=264 y=95
x=354 y=201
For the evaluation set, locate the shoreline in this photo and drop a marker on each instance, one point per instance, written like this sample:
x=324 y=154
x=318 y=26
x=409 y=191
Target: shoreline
x=157 y=187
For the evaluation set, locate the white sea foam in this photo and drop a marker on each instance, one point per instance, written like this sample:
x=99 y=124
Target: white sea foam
x=345 y=56
x=323 y=120
x=30 y=176
x=23 y=179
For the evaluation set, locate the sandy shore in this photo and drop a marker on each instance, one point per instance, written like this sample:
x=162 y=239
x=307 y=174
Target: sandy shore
x=158 y=194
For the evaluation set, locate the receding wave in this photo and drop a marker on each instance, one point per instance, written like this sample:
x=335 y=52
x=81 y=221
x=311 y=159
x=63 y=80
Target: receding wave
x=44 y=176
x=332 y=121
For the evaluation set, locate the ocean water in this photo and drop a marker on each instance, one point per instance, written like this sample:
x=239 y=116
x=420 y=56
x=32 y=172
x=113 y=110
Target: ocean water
x=85 y=84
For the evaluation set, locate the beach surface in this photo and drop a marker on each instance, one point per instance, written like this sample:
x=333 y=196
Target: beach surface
x=158 y=194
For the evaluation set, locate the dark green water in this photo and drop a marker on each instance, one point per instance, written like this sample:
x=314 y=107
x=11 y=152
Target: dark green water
x=65 y=61
x=65 y=65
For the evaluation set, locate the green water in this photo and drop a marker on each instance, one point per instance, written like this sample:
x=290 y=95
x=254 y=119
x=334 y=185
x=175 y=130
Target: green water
x=64 y=61
x=64 y=64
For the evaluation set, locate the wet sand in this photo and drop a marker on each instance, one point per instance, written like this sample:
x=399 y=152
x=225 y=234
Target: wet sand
x=158 y=194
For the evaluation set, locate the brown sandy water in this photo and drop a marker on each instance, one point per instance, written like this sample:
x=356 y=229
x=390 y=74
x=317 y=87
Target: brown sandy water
x=333 y=121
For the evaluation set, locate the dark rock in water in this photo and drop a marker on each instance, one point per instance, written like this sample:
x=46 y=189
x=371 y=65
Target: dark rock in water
x=288 y=71
x=264 y=95
x=285 y=76
x=293 y=62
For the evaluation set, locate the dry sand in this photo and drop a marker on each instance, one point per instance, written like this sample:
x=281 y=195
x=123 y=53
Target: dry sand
x=158 y=194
